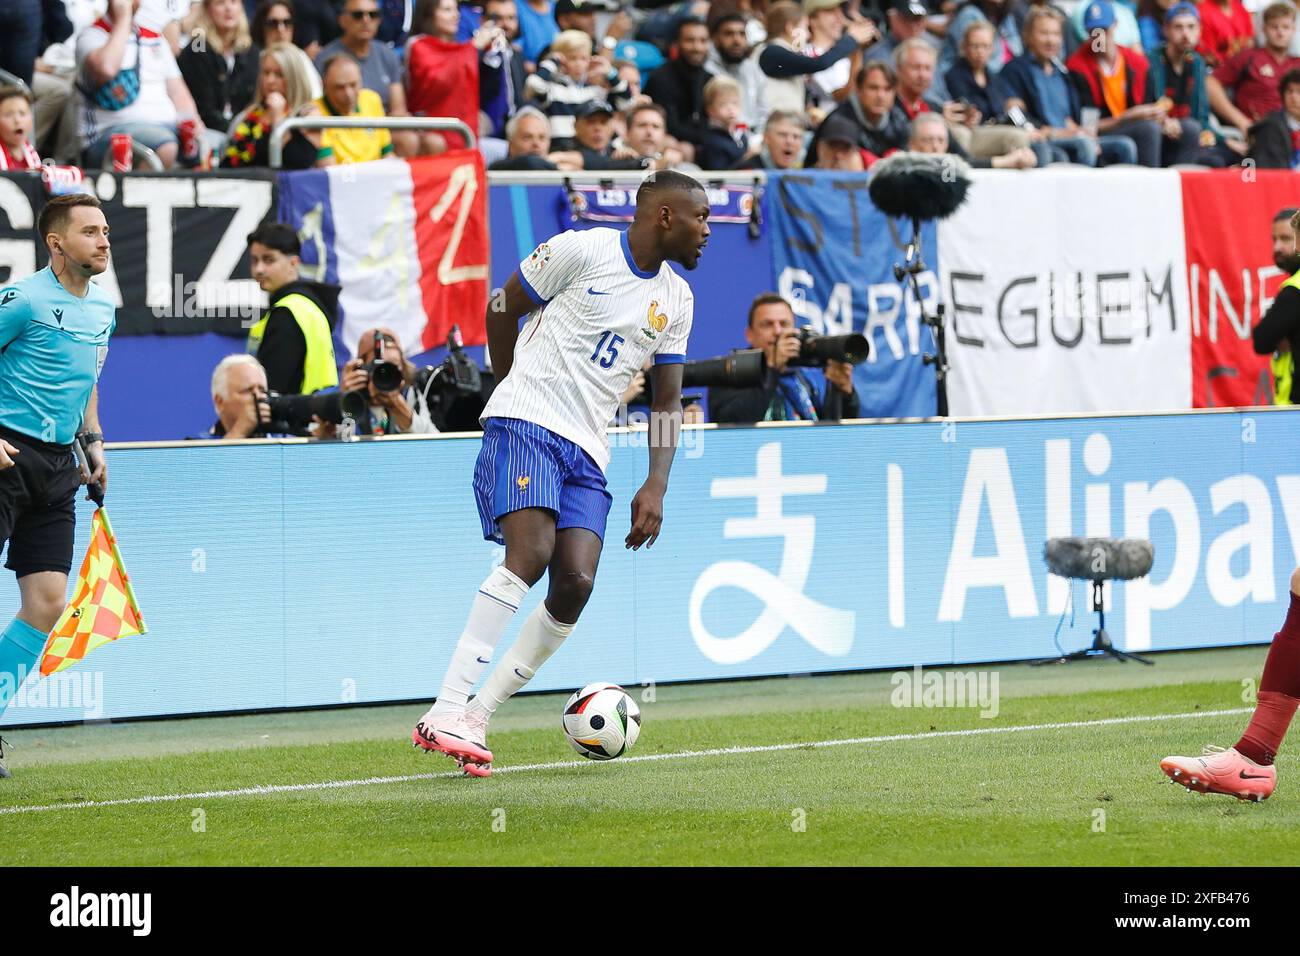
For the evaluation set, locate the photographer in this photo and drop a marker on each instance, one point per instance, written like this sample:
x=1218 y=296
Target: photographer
x=239 y=398
x=400 y=410
x=790 y=392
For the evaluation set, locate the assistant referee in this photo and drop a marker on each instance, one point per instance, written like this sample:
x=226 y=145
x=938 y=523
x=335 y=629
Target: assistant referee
x=54 y=332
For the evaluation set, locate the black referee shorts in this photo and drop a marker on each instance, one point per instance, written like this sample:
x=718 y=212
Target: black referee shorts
x=38 y=505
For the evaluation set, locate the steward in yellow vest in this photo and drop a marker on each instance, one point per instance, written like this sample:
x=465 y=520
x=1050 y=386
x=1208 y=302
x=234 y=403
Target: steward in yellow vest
x=1278 y=333
x=294 y=339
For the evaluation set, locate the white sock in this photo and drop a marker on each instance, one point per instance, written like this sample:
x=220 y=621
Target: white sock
x=539 y=638
x=499 y=596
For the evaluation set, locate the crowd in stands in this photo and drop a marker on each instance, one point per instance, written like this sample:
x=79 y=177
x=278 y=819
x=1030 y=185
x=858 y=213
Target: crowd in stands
x=693 y=84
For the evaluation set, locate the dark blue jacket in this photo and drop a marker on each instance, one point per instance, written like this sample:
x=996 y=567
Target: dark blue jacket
x=989 y=100
x=1018 y=75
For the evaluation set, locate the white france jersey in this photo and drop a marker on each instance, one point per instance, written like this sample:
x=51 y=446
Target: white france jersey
x=600 y=319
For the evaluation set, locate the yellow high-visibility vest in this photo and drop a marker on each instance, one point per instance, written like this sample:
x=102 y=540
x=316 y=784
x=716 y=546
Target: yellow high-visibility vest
x=319 y=369
x=1283 y=363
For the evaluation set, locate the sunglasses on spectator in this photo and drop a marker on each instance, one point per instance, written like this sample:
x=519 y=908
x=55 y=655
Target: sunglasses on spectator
x=275 y=23
x=364 y=14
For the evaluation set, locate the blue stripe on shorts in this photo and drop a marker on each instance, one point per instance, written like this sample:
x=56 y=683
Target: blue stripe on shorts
x=523 y=465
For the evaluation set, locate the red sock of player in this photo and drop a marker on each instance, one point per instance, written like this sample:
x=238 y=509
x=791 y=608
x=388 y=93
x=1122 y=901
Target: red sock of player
x=1279 y=692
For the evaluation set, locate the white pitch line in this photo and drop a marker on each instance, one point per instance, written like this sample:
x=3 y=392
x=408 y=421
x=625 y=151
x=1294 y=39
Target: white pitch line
x=642 y=758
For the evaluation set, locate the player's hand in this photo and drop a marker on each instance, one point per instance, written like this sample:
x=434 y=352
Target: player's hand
x=98 y=467
x=647 y=516
x=7 y=452
x=840 y=374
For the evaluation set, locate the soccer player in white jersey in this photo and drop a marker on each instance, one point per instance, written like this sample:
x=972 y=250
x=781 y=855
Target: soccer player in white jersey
x=601 y=302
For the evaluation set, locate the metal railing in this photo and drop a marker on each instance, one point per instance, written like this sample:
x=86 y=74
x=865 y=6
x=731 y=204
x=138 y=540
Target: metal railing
x=139 y=151
x=428 y=123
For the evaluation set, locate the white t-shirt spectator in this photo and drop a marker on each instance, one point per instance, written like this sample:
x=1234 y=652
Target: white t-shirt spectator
x=156 y=14
x=157 y=66
x=824 y=84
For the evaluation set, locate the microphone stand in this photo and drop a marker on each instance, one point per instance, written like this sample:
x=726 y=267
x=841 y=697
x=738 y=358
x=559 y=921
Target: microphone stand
x=913 y=266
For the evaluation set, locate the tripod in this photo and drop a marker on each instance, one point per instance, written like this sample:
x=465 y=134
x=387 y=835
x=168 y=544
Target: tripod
x=1101 y=644
x=913 y=265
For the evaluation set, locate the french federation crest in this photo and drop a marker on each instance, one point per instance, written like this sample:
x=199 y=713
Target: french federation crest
x=656 y=321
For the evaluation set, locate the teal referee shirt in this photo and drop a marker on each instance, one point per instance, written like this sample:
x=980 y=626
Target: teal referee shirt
x=52 y=348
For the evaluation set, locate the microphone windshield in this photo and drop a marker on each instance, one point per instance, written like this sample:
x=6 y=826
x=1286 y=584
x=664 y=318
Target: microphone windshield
x=919 y=185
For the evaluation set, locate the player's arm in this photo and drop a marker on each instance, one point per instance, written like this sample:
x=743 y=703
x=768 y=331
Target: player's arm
x=15 y=313
x=665 y=427
x=95 y=447
x=504 y=312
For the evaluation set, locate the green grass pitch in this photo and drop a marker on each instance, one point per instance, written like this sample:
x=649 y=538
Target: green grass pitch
x=1061 y=795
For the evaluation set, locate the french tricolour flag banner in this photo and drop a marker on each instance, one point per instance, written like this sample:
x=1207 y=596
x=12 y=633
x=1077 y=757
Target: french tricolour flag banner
x=405 y=239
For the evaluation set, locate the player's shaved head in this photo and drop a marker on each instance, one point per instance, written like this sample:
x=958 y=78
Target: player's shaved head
x=676 y=207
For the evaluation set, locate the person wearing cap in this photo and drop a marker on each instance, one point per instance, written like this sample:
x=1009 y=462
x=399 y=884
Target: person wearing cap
x=1275 y=140
x=1005 y=17
x=1113 y=79
x=1226 y=30
x=1253 y=73
x=907 y=20
x=879 y=125
x=1178 y=75
x=826 y=24
x=678 y=85
x=1280 y=325
x=594 y=137
x=837 y=147
x=785 y=64
x=1127 y=32
x=1151 y=16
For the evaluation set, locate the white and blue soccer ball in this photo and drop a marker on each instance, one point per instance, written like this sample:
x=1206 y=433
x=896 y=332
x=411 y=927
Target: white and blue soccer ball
x=601 y=721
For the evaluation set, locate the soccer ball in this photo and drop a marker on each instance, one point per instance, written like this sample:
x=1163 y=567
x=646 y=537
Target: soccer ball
x=601 y=721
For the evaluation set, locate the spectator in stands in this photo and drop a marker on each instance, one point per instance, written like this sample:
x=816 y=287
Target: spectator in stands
x=396 y=19
x=529 y=135
x=537 y=29
x=130 y=84
x=1152 y=16
x=593 y=137
x=647 y=135
x=907 y=21
x=782 y=142
x=1280 y=325
x=20 y=37
x=929 y=134
x=784 y=63
x=830 y=87
x=272 y=23
x=1004 y=19
x=1127 y=32
x=447 y=77
x=239 y=398
x=730 y=55
x=401 y=412
x=344 y=96
x=971 y=78
x=55 y=105
x=880 y=124
x=169 y=18
x=315 y=23
x=1253 y=73
x=293 y=341
x=914 y=65
x=837 y=147
x=1040 y=86
x=577 y=15
x=381 y=70
x=16 y=150
x=726 y=140
x=1275 y=140
x=284 y=88
x=500 y=100
x=1179 y=76
x=1113 y=79
x=678 y=85
x=789 y=393
x=220 y=67
x=561 y=87
x=1226 y=30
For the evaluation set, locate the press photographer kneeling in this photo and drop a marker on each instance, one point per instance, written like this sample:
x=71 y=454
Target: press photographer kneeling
x=787 y=391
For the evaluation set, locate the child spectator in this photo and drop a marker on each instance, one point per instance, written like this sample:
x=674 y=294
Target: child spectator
x=726 y=139
x=16 y=151
x=560 y=87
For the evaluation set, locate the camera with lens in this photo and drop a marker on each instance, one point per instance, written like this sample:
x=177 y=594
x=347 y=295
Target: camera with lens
x=455 y=391
x=292 y=414
x=745 y=368
x=816 y=350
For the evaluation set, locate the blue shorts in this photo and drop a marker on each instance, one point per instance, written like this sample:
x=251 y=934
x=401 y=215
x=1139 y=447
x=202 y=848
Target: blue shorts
x=523 y=465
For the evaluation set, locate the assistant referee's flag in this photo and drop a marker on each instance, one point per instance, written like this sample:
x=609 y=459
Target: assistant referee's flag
x=103 y=607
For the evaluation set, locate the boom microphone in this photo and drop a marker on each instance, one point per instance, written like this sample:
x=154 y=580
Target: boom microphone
x=1099 y=559
x=919 y=185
